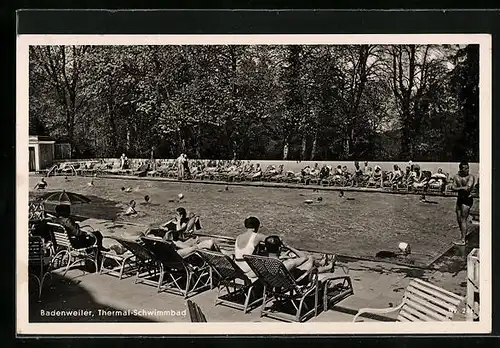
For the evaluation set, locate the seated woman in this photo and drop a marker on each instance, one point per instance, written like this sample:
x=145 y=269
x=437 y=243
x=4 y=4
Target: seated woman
x=246 y=244
x=81 y=239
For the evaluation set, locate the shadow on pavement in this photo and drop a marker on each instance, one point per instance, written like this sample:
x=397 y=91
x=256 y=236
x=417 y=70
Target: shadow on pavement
x=63 y=294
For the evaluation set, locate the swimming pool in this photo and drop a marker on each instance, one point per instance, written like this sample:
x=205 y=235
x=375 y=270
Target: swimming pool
x=358 y=225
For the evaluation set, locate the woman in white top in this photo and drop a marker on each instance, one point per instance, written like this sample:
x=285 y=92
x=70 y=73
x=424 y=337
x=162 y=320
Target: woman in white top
x=246 y=243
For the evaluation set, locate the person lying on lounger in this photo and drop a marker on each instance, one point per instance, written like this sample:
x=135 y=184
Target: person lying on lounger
x=414 y=176
x=315 y=171
x=269 y=172
x=257 y=173
x=302 y=264
x=438 y=180
x=81 y=239
x=175 y=228
x=324 y=172
x=279 y=173
x=407 y=174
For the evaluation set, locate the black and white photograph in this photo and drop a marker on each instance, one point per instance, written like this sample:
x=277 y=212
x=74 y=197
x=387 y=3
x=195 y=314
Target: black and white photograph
x=254 y=183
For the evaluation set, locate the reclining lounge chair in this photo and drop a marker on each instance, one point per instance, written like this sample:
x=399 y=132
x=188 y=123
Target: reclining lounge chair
x=235 y=289
x=280 y=289
x=184 y=276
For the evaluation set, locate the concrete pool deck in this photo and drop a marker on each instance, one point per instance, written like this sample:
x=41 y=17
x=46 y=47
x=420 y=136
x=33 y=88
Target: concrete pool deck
x=376 y=285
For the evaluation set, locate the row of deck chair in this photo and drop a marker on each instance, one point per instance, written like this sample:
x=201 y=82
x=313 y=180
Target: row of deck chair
x=156 y=262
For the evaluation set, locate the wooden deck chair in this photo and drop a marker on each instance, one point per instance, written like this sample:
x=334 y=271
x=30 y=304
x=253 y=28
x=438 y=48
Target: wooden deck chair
x=184 y=276
x=422 y=301
x=280 y=288
x=125 y=263
x=65 y=246
x=38 y=266
x=235 y=289
x=195 y=313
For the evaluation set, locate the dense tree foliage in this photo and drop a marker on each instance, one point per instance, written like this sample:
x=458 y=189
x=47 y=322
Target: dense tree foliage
x=294 y=102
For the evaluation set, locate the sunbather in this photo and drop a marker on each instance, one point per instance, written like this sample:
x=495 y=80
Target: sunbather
x=376 y=177
x=339 y=175
x=395 y=177
x=315 y=171
x=246 y=243
x=81 y=238
x=358 y=174
x=279 y=174
x=438 y=180
x=346 y=173
x=257 y=173
x=269 y=172
x=302 y=264
x=324 y=172
x=367 y=170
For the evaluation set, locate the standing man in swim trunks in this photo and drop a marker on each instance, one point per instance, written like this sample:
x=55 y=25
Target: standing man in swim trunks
x=463 y=183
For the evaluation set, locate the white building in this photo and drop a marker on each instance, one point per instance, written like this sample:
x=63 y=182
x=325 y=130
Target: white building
x=41 y=152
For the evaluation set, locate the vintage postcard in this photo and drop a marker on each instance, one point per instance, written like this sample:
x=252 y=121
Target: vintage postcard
x=253 y=184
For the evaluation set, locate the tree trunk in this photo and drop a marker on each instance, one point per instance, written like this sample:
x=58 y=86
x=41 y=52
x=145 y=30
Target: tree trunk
x=314 y=146
x=303 y=151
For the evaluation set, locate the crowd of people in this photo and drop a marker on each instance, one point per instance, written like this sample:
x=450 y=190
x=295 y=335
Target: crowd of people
x=411 y=178
x=408 y=178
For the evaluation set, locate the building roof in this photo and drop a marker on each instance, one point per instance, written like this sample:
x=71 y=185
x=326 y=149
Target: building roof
x=37 y=138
